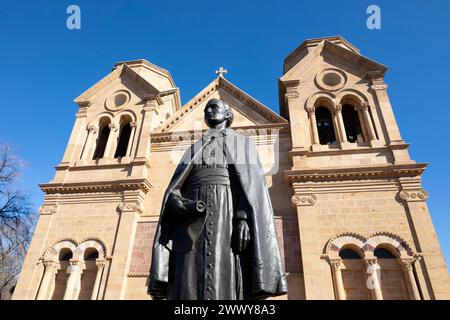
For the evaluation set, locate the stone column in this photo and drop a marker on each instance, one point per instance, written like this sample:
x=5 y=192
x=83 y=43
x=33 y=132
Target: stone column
x=318 y=280
x=297 y=115
x=313 y=125
x=379 y=89
x=340 y=124
x=432 y=262
x=51 y=268
x=373 y=278
x=76 y=138
x=86 y=152
x=112 y=141
x=122 y=250
x=100 y=266
x=407 y=266
x=368 y=122
x=130 y=143
x=335 y=265
x=152 y=103
x=74 y=281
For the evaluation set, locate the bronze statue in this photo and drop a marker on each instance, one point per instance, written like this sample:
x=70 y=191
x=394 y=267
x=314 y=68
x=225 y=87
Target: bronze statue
x=216 y=236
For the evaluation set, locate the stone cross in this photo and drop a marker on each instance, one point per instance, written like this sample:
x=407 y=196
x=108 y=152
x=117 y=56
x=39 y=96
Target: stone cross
x=221 y=71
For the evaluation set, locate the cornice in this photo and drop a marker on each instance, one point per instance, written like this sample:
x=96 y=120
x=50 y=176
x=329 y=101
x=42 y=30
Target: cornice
x=83 y=187
x=371 y=172
x=159 y=137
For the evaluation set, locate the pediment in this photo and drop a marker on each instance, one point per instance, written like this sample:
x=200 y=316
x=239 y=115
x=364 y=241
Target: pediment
x=332 y=54
x=247 y=110
x=132 y=83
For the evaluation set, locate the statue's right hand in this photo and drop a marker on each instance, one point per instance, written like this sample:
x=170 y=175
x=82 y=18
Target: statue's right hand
x=177 y=205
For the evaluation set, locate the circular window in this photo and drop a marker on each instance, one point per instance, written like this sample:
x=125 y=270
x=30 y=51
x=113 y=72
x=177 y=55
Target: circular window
x=118 y=99
x=331 y=79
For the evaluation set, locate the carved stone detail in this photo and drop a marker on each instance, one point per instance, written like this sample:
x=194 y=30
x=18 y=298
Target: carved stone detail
x=131 y=206
x=304 y=200
x=379 y=87
x=92 y=129
x=291 y=93
x=113 y=126
x=335 y=263
x=413 y=195
x=48 y=209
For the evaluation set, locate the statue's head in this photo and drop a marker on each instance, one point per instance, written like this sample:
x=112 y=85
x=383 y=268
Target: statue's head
x=218 y=111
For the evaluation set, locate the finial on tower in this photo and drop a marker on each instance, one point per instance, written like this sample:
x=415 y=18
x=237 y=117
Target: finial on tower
x=221 y=71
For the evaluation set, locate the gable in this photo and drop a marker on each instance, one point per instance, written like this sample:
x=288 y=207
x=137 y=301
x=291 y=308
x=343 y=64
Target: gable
x=335 y=55
x=247 y=111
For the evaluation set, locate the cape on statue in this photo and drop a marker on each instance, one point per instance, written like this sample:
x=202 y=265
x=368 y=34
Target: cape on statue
x=194 y=257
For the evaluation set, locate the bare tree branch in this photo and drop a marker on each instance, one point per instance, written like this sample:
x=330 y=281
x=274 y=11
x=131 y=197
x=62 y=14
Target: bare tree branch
x=17 y=220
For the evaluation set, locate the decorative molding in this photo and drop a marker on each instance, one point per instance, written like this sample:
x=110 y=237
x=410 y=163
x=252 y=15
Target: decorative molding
x=77 y=248
x=413 y=195
x=97 y=243
x=378 y=87
x=258 y=130
x=135 y=206
x=367 y=245
x=291 y=93
x=356 y=173
x=138 y=275
x=396 y=241
x=407 y=263
x=87 y=187
x=335 y=263
x=48 y=209
x=114 y=127
x=304 y=200
x=92 y=128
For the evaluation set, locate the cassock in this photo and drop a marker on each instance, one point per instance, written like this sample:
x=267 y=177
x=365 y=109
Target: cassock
x=194 y=256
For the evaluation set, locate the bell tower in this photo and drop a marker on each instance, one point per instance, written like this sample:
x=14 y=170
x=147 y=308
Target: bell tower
x=354 y=184
x=88 y=219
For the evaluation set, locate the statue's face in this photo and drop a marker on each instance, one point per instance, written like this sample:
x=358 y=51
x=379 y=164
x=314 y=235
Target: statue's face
x=215 y=113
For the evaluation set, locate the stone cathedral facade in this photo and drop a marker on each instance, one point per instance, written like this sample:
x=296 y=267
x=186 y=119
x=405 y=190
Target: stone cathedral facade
x=350 y=212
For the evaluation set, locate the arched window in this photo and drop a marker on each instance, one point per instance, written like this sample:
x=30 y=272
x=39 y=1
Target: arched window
x=325 y=126
x=124 y=139
x=393 y=283
x=352 y=124
x=102 y=140
x=382 y=253
x=349 y=254
x=353 y=275
x=90 y=254
x=65 y=254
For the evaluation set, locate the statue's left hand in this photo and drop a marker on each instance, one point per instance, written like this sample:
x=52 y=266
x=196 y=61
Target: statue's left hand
x=241 y=236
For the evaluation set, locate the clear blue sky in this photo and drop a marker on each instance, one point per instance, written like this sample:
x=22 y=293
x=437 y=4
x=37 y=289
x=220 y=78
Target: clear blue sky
x=45 y=65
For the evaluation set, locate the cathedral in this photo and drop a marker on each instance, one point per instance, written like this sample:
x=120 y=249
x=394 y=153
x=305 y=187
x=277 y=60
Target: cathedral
x=351 y=215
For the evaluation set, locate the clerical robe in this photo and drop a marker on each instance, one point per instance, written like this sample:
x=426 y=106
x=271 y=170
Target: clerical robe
x=193 y=255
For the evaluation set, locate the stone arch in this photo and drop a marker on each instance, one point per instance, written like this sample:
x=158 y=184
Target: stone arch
x=52 y=252
x=124 y=113
x=322 y=98
x=345 y=240
x=104 y=115
x=389 y=241
x=95 y=243
x=351 y=96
